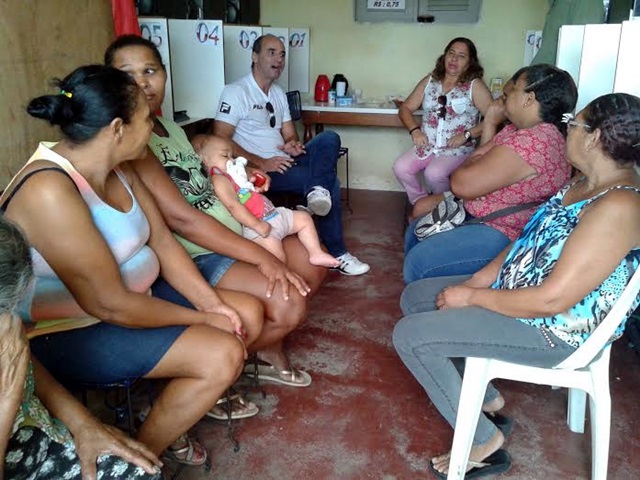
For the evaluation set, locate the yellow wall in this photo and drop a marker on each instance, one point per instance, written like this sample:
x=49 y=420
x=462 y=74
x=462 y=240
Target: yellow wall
x=390 y=58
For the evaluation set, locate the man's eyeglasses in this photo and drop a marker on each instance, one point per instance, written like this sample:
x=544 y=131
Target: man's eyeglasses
x=442 y=110
x=272 y=115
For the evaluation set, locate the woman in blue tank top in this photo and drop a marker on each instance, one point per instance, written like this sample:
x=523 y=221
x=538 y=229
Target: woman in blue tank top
x=548 y=291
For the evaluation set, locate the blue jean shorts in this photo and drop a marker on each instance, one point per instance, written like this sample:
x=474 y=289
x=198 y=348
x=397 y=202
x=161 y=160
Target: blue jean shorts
x=104 y=353
x=212 y=266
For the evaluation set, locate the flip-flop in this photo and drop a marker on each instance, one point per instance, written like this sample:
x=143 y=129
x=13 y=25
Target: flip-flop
x=240 y=408
x=496 y=463
x=504 y=423
x=268 y=373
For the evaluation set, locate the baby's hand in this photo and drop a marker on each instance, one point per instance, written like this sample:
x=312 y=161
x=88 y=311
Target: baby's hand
x=264 y=229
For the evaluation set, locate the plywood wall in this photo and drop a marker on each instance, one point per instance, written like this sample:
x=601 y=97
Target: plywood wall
x=42 y=39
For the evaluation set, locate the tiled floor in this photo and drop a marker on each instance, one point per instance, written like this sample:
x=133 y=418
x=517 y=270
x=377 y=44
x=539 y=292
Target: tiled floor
x=364 y=416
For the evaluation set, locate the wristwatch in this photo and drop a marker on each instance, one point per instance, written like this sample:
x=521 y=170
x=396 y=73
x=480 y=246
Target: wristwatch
x=467 y=135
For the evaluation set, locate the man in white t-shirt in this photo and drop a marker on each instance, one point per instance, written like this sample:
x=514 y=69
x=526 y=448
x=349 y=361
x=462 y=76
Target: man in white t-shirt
x=254 y=114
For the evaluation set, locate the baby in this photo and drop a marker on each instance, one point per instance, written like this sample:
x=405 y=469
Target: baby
x=261 y=221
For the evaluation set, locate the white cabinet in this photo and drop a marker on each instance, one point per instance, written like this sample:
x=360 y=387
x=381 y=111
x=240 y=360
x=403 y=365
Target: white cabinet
x=197 y=58
x=600 y=58
x=156 y=30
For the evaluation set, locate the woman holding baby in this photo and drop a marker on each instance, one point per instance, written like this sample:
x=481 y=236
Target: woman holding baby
x=206 y=228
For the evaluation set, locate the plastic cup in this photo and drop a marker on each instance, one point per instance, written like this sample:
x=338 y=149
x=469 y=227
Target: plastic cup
x=341 y=89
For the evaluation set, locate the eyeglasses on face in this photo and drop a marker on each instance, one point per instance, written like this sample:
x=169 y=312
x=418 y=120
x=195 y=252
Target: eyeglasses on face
x=573 y=124
x=272 y=116
x=568 y=118
x=442 y=110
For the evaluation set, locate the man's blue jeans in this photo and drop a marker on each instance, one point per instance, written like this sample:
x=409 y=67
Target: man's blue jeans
x=317 y=167
x=461 y=251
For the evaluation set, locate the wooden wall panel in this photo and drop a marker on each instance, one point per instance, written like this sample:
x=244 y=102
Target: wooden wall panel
x=42 y=39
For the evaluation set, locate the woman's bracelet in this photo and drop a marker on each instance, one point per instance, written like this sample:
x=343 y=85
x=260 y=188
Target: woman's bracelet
x=413 y=130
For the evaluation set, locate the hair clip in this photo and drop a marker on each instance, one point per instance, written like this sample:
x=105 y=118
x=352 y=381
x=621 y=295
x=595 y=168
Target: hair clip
x=567 y=117
x=66 y=94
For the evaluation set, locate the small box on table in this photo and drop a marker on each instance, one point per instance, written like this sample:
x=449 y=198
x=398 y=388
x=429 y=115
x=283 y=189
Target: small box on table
x=344 y=101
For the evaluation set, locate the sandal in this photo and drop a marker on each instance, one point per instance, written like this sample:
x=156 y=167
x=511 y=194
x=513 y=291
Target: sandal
x=502 y=422
x=268 y=373
x=498 y=462
x=240 y=408
x=192 y=453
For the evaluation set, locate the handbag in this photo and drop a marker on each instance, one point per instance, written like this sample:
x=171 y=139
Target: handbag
x=450 y=213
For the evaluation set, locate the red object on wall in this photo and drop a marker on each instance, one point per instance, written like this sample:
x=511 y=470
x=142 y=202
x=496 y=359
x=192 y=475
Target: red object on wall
x=322 y=89
x=125 y=20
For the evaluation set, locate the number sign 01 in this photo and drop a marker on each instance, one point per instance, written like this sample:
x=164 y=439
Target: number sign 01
x=297 y=40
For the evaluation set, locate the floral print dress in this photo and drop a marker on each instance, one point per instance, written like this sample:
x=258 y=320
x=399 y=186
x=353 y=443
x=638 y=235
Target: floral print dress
x=41 y=447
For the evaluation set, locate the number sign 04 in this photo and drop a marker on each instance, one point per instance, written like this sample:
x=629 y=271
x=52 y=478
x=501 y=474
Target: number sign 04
x=206 y=33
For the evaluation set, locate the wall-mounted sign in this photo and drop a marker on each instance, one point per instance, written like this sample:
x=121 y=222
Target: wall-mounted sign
x=385 y=4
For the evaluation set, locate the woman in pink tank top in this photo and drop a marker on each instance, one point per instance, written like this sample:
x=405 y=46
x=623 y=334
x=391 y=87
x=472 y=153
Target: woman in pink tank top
x=73 y=202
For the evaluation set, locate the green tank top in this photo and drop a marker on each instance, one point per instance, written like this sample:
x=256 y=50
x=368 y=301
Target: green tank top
x=185 y=169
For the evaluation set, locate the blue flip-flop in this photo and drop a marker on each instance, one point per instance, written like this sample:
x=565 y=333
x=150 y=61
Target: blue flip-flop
x=496 y=463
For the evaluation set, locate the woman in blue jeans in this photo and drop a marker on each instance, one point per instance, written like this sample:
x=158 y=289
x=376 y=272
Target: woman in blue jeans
x=522 y=164
x=544 y=295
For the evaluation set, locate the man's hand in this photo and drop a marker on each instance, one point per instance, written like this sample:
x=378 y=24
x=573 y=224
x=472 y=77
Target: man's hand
x=293 y=148
x=278 y=164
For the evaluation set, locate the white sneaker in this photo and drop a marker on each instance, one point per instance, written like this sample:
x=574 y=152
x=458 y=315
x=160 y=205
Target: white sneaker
x=350 y=265
x=319 y=201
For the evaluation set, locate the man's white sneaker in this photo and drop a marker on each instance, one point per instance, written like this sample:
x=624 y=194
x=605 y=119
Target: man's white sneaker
x=319 y=201
x=350 y=265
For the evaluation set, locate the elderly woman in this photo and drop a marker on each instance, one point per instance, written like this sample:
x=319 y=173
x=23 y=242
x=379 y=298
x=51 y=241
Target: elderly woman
x=452 y=98
x=520 y=166
x=545 y=294
x=98 y=244
x=33 y=443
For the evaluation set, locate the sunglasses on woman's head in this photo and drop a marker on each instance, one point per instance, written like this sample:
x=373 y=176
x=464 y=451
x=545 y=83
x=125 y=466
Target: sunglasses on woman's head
x=272 y=115
x=442 y=110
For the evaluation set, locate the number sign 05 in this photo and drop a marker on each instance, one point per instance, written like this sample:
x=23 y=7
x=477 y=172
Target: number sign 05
x=152 y=32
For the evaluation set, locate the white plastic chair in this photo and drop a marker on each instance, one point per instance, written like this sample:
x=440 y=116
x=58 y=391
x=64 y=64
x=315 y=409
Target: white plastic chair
x=583 y=371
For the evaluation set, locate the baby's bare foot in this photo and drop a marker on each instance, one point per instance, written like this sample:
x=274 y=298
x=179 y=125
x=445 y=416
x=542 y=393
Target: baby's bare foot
x=323 y=259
